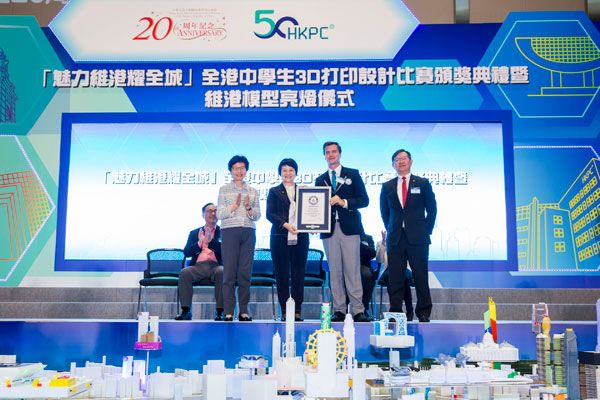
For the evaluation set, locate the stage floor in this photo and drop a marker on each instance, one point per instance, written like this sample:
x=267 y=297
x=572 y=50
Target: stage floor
x=189 y=344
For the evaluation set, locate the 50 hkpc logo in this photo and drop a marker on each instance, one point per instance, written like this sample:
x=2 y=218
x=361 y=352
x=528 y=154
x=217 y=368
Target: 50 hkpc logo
x=184 y=24
x=288 y=27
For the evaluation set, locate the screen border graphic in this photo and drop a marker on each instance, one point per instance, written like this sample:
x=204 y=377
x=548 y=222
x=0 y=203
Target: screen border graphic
x=462 y=116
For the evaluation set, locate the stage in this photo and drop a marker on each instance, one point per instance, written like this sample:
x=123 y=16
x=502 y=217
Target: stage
x=189 y=344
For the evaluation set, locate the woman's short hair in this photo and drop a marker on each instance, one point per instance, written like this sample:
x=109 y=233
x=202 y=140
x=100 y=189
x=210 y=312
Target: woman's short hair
x=238 y=159
x=290 y=162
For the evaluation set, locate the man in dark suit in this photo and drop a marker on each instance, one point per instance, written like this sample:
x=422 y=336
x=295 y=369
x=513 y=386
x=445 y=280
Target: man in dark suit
x=342 y=244
x=408 y=210
x=204 y=246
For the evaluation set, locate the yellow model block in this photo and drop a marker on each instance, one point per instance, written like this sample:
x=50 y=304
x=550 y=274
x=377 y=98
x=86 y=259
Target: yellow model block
x=63 y=381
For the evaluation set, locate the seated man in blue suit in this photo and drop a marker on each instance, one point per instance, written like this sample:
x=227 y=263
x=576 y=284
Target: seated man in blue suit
x=204 y=246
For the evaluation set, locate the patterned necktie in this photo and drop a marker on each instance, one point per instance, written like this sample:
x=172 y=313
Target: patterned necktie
x=333 y=180
x=404 y=191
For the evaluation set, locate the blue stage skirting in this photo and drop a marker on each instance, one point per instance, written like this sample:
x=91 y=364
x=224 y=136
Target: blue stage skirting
x=189 y=345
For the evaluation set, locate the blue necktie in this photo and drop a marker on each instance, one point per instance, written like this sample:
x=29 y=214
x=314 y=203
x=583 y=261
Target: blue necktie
x=333 y=180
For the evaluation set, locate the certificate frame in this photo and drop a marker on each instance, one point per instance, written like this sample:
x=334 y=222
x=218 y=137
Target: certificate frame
x=313 y=213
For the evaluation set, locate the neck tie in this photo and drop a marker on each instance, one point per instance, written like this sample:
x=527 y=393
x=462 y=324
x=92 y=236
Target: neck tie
x=333 y=180
x=404 y=191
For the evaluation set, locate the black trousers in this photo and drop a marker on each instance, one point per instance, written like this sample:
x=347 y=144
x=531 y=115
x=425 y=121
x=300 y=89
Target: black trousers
x=418 y=257
x=410 y=312
x=289 y=261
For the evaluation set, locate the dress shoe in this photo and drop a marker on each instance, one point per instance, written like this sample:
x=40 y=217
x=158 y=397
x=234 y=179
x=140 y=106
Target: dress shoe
x=219 y=315
x=338 y=316
x=410 y=317
x=184 y=316
x=244 y=318
x=423 y=319
x=362 y=317
x=298 y=317
x=228 y=318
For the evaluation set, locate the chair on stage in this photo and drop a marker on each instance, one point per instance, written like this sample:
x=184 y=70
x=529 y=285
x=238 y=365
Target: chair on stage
x=263 y=274
x=375 y=268
x=162 y=270
x=315 y=275
x=382 y=282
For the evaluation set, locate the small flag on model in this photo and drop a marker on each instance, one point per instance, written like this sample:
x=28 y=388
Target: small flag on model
x=494 y=329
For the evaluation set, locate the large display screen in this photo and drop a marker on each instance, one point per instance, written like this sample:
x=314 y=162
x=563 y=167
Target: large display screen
x=131 y=183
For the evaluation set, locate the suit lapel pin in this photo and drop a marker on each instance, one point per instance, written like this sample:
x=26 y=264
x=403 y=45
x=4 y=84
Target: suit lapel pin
x=344 y=181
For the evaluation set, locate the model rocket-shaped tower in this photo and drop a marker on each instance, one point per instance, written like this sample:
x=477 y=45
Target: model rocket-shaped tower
x=290 y=343
x=276 y=348
x=349 y=335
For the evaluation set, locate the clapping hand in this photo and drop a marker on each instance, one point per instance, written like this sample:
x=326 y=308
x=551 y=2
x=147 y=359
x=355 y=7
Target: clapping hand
x=200 y=238
x=238 y=201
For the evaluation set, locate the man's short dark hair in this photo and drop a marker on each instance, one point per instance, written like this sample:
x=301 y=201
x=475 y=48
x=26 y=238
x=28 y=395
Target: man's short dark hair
x=290 y=162
x=401 y=151
x=206 y=205
x=331 y=144
x=238 y=159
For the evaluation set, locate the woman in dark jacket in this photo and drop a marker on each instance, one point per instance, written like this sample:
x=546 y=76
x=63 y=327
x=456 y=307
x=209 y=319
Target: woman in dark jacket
x=289 y=248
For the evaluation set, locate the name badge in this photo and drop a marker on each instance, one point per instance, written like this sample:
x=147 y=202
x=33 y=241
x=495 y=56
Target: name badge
x=415 y=190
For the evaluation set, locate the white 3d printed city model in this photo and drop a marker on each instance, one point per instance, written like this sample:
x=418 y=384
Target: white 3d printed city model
x=327 y=369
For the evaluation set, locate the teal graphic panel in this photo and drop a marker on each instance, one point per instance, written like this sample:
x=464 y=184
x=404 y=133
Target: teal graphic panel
x=25 y=205
x=24 y=55
x=561 y=51
x=558 y=208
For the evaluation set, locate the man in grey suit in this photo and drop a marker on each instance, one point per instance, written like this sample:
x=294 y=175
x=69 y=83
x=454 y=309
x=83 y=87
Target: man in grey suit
x=342 y=244
x=408 y=210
